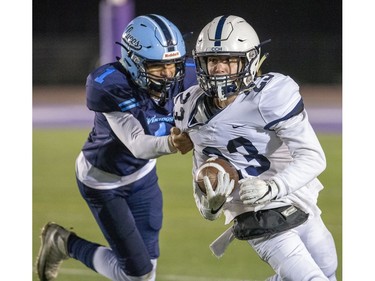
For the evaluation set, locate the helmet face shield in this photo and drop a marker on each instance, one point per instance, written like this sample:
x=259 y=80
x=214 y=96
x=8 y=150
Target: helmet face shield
x=232 y=37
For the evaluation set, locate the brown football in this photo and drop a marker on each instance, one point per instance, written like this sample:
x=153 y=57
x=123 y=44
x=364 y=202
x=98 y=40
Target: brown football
x=211 y=168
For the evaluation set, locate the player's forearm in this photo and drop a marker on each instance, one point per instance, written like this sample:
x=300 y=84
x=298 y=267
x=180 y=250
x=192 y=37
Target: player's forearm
x=301 y=171
x=149 y=147
x=131 y=133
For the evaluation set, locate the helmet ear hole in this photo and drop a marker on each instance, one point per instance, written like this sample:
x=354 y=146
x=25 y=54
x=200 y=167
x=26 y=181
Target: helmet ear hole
x=252 y=54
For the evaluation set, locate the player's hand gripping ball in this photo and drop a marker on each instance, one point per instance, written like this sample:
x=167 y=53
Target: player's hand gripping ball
x=210 y=168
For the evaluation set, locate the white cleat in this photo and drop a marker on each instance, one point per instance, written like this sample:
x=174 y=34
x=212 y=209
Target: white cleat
x=52 y=252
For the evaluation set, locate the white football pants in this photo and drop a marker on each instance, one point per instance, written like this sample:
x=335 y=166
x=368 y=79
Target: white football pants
x=304 y=253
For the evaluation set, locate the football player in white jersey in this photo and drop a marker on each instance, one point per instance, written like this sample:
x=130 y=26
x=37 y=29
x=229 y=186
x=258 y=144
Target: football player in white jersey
x=260 y=125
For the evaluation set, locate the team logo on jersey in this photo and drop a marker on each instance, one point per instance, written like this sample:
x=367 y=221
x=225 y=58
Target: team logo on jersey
x=132 y=41
x=154 y=119
x=171 y=55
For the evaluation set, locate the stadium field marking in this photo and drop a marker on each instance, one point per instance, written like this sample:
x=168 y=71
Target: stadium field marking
x=166 y=277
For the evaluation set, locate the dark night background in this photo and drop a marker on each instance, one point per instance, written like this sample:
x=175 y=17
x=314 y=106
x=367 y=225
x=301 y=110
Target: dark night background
x=306 y=35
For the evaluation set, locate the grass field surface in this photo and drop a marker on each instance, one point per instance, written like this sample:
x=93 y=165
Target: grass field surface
x=185 y=235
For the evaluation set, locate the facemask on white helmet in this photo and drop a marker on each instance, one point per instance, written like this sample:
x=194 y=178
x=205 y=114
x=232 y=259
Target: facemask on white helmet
x=231 y=37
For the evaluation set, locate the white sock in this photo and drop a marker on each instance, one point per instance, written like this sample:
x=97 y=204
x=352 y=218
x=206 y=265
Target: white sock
x=106 y=264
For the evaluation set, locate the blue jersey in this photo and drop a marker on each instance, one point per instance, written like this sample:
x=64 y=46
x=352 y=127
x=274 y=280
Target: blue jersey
x=108 y=89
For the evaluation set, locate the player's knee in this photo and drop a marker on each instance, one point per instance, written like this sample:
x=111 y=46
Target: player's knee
x=315 y=276
x=329 y=266
x=330 y=271
x=297 y=268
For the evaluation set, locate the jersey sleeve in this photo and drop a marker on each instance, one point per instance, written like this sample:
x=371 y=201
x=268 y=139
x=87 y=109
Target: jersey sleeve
x=280 y=100
x=129 y=130
x=308 y=156
x=282 y=108
x=107 y=90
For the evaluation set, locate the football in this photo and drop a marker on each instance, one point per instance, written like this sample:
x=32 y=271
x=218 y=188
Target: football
x=211 y=168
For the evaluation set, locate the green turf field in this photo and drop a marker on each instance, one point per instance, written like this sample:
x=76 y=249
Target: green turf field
x=185 y=236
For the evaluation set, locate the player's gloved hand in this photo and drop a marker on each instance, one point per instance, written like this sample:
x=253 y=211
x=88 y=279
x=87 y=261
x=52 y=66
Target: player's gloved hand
x=254 y=191
x=180 y=141
x=216 y=198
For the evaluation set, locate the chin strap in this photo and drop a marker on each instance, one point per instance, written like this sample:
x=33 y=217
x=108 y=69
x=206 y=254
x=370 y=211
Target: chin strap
x=163 y=89
x=265 y=56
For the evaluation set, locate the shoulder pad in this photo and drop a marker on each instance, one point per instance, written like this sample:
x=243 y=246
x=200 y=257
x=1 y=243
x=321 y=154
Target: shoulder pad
x=279 y=98
x=107 y=89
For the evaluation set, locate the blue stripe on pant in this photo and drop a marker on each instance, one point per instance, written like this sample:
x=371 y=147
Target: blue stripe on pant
x=130 y=218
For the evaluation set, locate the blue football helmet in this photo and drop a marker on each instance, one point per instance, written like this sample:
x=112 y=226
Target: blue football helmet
x=153 y=39
x=229 y=36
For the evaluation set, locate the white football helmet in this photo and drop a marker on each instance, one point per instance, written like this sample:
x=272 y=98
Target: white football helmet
x=228 y=36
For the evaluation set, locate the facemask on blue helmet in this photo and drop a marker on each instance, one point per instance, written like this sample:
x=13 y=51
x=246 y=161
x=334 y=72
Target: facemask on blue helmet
x=152 y=39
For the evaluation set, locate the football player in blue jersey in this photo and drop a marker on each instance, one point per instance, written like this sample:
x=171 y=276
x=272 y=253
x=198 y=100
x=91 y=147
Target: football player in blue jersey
x=259 y=124
x=116 y=174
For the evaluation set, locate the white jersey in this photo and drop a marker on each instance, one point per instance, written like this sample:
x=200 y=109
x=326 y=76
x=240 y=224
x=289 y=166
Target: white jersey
x=264 y=133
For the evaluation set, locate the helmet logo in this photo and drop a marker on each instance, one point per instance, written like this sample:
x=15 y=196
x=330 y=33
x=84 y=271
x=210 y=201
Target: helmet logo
x=216 y=49
x=131 y=40
x=171 y=55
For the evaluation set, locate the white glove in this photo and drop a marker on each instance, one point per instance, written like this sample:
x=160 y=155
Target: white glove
x=254 y=191
x=217 y=198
